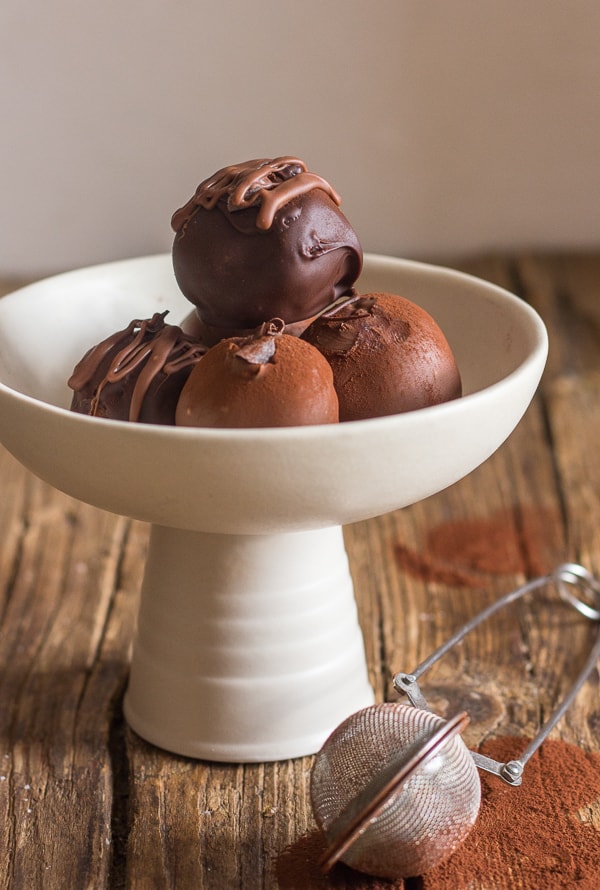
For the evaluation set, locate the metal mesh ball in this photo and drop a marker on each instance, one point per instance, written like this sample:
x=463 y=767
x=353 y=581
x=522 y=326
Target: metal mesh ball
x=424 y=820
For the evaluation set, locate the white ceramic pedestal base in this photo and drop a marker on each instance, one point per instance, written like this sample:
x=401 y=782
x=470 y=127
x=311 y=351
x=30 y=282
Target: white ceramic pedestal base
x=248 y=646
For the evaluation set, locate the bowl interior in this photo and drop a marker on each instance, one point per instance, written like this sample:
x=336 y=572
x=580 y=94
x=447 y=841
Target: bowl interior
x=257 y=480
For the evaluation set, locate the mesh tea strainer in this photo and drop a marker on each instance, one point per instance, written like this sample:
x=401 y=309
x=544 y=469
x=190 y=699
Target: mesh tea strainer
x=395 y=789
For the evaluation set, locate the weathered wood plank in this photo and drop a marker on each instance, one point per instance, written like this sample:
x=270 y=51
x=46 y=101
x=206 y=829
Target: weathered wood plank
x=565 y=289
x=55 y=695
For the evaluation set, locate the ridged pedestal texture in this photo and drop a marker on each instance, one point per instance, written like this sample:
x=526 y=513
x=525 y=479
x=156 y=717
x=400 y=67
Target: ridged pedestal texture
x=248 y=647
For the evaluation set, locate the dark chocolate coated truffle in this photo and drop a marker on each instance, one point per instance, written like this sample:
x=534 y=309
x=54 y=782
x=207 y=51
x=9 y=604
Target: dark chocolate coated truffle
x=267 y=380
x=387 y=355
x=260 y=240
x=136 y=374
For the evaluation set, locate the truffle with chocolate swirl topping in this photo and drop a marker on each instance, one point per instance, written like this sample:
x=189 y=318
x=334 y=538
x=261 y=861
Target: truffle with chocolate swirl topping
x=136 y=374
x=258 y=240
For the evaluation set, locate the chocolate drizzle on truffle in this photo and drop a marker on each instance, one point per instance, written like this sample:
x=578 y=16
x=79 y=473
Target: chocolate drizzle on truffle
x=136 y=374
x=265 y=182
x=260 y=240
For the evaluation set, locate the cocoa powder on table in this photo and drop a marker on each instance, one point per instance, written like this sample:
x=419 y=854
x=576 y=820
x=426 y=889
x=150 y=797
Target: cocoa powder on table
x=543 y=834
x=465 y=552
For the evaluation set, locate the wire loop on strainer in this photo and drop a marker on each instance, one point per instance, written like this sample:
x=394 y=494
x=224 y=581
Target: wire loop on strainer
x=395 y=788
x=573 y=583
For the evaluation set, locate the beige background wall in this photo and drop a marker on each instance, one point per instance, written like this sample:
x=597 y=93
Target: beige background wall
x=447 y=126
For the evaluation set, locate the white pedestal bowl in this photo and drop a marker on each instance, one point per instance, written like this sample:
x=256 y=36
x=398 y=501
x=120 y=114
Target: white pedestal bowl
x=248 y=646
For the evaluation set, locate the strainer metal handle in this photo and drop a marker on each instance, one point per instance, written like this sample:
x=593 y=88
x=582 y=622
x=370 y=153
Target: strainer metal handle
x=576 y=586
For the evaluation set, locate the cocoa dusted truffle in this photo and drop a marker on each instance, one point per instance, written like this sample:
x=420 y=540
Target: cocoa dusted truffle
x=136 y=374
x=260 y=240
x=269 y=379
x=387 y=355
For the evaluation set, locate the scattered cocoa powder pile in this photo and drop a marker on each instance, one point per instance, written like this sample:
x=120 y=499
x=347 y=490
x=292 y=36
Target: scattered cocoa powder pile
x=465 y=552
x=298 y=869
x=543 y=834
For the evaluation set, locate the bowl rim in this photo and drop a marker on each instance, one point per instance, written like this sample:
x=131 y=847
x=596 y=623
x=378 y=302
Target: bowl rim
x=537 y=353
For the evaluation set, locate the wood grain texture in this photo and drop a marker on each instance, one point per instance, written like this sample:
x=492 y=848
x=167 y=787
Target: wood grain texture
x=85 y=803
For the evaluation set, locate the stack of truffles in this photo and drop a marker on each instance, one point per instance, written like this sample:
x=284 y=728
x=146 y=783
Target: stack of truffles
x=279 y=335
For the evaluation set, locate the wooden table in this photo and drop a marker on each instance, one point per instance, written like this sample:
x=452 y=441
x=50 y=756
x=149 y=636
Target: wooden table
x=84 y=803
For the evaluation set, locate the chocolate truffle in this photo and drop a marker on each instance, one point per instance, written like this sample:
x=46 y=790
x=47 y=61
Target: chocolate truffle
x=260 y=240
x=387 y=355
x=136 y=374
x=269 y=379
